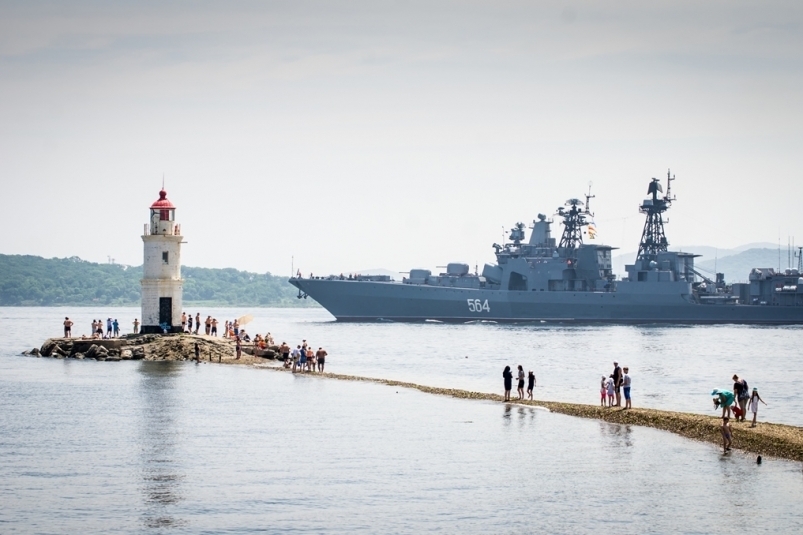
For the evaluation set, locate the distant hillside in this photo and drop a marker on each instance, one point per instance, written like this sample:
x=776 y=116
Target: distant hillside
x=737 y=267
x=37 y=281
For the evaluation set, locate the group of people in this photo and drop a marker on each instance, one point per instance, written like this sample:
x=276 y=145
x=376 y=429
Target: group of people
x=737 y=402
x=303 y=358
x=210 y=324
x=611 y=387
x=112 y=328
x=507 y=375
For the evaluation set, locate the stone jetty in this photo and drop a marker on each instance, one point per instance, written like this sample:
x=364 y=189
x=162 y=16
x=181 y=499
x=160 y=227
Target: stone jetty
x=150 y=347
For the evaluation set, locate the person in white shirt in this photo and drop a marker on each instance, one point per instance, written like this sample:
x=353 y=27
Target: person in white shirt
x=626 y=386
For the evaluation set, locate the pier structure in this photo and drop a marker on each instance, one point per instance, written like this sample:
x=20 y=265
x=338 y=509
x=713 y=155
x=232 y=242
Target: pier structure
x=162 y=285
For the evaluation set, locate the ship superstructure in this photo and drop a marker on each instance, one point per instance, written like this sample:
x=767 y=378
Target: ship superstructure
x=543 y=279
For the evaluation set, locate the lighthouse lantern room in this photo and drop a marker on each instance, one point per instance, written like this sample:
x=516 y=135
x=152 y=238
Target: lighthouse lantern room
x=161 y=280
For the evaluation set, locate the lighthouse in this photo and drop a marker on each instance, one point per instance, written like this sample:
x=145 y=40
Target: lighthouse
x=161 y=279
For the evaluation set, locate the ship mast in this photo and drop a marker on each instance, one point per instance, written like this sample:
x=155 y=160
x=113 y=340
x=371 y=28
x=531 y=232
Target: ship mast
x=574 y=219
x=653 y=238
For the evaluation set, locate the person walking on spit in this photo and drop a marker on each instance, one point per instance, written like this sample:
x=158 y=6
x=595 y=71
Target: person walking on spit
x=626 y=387
x=603 y=391
x=197 y=322
x=724 y=399
x=136 y=326
x=321 y=355
x=617 y=383
x=530 y=384
x=520 y=385
x=116 y=328
x=754 y=399
x=727 y=435
x=742 y=393
x=238 y=347
x=67 y=327
x=508 y=376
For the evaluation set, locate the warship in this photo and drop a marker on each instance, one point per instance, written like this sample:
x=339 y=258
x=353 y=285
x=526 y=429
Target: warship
x=567 y=280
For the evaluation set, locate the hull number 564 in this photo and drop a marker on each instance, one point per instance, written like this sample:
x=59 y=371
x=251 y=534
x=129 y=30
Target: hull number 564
x=477 y=305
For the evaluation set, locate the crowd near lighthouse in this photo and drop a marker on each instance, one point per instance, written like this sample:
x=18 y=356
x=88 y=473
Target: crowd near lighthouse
x=161 y=280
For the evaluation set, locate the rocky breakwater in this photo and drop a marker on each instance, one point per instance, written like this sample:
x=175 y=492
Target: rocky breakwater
x=147 y=347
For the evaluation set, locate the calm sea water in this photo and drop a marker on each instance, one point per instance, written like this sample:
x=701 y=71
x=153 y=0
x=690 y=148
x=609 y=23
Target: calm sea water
x=163 y=447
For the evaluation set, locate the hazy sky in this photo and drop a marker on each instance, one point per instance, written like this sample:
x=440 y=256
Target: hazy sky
x=354 y=135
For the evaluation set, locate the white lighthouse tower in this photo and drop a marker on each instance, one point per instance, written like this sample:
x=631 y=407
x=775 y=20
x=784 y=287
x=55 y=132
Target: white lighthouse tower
x=161 y=280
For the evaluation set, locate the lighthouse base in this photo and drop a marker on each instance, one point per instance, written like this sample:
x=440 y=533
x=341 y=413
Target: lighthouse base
x=156 y=329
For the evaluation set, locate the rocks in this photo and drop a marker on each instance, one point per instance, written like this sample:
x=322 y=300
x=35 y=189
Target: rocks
x=79 y=356
x=137 y=353
x=32 y=353
x=47 y=347
x=126 y=354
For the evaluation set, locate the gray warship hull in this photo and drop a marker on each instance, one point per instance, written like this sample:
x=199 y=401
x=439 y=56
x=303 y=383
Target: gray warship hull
x=541 y=279
x=349 y=300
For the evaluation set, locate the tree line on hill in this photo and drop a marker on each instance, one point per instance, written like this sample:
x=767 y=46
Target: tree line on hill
x=36 y=281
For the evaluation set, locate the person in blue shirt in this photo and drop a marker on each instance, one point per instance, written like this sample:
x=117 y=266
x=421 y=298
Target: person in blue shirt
x=116 y=328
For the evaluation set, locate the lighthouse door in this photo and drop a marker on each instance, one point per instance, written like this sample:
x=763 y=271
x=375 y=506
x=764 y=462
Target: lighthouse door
x=166 y=311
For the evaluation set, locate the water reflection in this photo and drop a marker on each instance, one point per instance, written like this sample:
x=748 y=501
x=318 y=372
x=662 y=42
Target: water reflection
x=161 y=475
x=618 y=435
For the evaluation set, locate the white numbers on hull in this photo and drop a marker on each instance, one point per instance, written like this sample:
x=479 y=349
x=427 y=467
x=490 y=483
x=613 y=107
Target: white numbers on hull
x=477 y=305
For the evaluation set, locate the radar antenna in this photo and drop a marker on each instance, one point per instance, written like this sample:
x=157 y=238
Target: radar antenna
x=574 y=219
x=653 y=238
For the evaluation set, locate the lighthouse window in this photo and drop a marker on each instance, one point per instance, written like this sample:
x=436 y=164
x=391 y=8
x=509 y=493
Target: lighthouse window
x=164 y=257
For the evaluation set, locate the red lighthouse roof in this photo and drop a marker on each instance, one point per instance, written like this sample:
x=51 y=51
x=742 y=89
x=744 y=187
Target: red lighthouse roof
x=162 y=202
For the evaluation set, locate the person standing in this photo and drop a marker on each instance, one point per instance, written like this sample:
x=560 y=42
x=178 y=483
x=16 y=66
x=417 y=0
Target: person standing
x=236 y=327
x=617 y=383
x=197 y=322
x=108 y=328
x=530 y=384
x=520 y=385
x=296 y=357
x=742 y=393
x=197 y=353
x=603 y=391
x=238 y=347
x=116 y=328
x=754 y=399
x=183 y=322
x=508 y=377
x=626 y=386
x=189 y=324
x=214 y=327
x=321 y=356
x=208 y=325
x=302 y=358
x=311 y=362
x=136 y=326
x=226 y=329
x=67 y=327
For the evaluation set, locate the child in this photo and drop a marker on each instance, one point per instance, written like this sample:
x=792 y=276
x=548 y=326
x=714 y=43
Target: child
x=603 y=390
x=726 y=435
x=609 y=385
x=530 y=384
x=754 y=399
